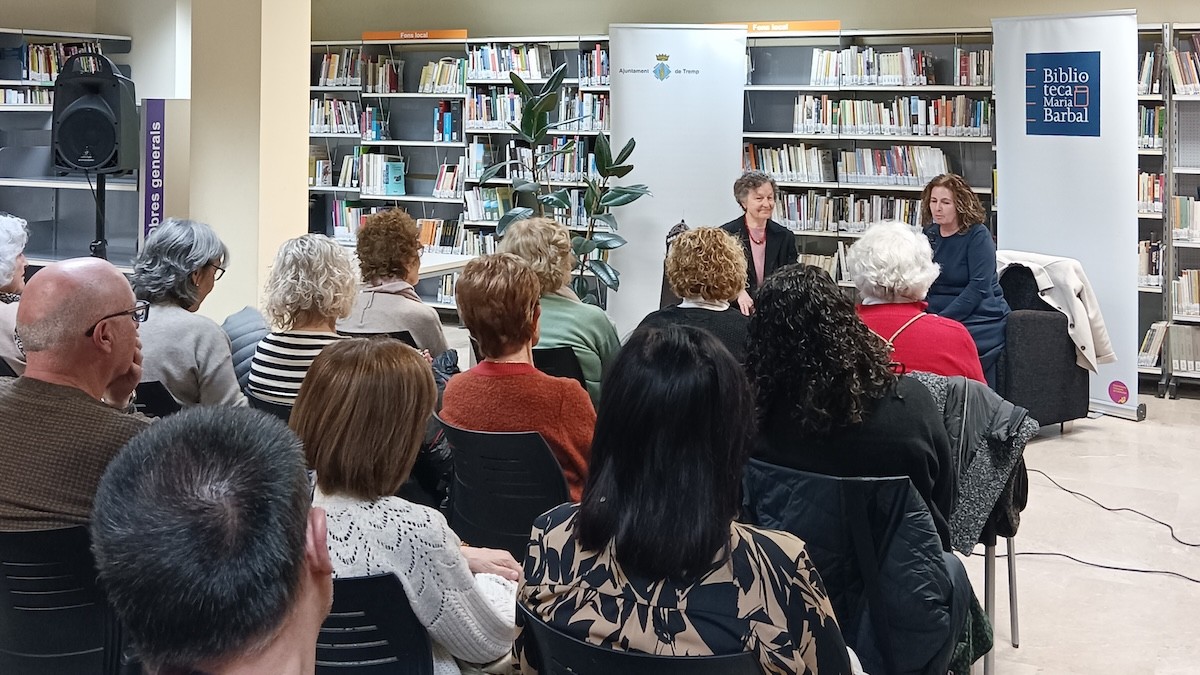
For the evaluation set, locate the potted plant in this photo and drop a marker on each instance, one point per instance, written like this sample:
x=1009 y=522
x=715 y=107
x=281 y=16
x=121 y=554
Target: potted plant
x=533 y=193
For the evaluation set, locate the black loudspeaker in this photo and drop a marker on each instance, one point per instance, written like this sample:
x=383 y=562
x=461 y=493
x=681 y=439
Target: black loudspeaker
x=95 y=121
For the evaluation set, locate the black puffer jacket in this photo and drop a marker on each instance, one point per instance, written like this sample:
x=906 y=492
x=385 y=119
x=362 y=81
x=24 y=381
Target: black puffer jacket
x=988 y=435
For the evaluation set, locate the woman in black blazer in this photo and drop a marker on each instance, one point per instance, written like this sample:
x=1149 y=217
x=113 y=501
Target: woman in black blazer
x=771 y=243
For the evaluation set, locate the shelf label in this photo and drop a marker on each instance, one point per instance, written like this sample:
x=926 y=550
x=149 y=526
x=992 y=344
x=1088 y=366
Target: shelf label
x=153 y=171
x=760 y=27
x=449 y=34
x=1062 y=94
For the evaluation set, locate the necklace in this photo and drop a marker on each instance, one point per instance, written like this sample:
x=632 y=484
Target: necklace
x=758 y=242
x=499 y=361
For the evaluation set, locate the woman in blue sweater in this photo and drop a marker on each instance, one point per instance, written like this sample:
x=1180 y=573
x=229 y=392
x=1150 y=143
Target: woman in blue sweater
x=967 y=290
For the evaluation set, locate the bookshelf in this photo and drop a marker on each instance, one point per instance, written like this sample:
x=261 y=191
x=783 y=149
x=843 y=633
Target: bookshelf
x=1153 y=121
x=1180 y=356
x=60 y=209
x=852 y=124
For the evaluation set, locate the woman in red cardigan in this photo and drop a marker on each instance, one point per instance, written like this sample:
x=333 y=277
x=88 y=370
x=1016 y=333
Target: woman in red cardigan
x=892 y=267
x=497 y=298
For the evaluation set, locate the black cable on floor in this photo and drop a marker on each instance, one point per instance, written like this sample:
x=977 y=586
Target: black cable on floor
x=1102 y=566
x=1115 y=509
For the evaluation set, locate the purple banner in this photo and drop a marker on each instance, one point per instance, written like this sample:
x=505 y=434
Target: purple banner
x=153 y=170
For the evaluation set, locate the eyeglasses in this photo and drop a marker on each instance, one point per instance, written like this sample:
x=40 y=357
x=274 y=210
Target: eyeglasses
x=140 y=312
x=220 y=271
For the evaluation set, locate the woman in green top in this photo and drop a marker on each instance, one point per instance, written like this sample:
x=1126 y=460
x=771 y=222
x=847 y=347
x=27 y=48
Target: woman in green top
x=566 y=321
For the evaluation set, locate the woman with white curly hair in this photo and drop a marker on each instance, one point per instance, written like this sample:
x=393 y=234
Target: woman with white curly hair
x=188 y=353
x=311 y=285
x=13 y=236
x=892 y=267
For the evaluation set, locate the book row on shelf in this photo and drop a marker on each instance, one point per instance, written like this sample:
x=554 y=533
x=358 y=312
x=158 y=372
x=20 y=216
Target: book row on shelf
x=449 y=182
x=857 y=66
x=445 y=292
x=333 y=116
x=1151 y=189
x=1152 y=124
x=381 y=175
x=28 y=96
x=1150 y=71
x=1185 y=347
x=444 y=76
x=494 y=62
x=382 y=74
x=571 y=166
x=903 y=115
x=1152 y=342
x=1184 y=67
x=341 y=68
x=910 y=165
x=815 y=211
x=1185 y=219
x=1150 y=262
x=43 y=61
x=593 y=67
x=497 y=107
x=448 y=121
x=1185 y=293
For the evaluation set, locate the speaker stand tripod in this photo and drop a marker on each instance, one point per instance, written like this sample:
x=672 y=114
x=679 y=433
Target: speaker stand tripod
x=99 y=246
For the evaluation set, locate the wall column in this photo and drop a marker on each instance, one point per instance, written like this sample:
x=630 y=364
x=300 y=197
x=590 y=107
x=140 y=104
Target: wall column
x=249 y=147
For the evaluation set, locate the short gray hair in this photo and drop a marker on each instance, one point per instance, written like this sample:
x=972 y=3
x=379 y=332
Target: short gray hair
x=54 y=330
x=14 y=234
x=892 y=263
x=751 y=180
x=311 y=274
x=172 y=253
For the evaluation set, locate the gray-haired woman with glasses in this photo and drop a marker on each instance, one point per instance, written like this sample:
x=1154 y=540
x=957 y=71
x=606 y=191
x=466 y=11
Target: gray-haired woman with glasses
x=188 y=353
x=13 y=235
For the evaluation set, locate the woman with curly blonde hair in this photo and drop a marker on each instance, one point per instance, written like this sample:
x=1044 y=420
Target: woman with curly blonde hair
x=389 y=256
x=968 y=288
x=706 y=267
x=14 y=233
x=566 y=321
x=311 y=285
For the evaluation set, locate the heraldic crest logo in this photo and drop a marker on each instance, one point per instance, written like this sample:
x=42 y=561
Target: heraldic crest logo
x=663 y=70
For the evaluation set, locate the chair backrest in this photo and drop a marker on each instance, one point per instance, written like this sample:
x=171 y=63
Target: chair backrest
x=402 y=335
x=372 y=629
x=562 y=654
x=6 y=370
x=1021 y=290
x=283 y=412
x=53 y=617
x=876 y=548
x=502 y=482
x=559 y=362
x=244 y=328
x=154 y=400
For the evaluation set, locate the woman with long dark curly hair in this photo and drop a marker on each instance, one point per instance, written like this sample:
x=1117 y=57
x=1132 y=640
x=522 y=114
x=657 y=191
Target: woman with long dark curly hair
x=828 y=400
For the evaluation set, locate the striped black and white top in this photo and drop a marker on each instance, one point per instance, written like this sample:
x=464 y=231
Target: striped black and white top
x=281 y=360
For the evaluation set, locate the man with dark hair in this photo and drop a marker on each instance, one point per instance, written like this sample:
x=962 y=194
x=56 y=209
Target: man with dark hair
x=65 y=418
x=208 y=548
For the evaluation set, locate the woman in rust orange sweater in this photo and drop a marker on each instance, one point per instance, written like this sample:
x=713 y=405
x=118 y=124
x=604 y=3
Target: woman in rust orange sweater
x=497 y=299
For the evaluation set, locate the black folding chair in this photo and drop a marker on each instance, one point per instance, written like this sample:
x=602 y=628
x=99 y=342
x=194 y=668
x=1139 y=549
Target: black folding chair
x=53 y=617
x=372 y=630
x=402 y=335
x=502 y=482
x=559 y=362
x=562 y=654
x=154 y=400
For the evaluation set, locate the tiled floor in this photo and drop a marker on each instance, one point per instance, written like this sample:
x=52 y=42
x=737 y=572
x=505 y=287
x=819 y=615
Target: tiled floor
x=1079 y=619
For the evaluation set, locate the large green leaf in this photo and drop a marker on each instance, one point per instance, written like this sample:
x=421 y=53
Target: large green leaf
x=559 y=199
x=523 y=185
x=606 y=241
x=529 y=126
x=544 y=103
x=568 y=121
x=514 y=214
x=603 y=154
x=625 y=152
x=591 y=198
x=579 y=285
x=554 y=83
x=519 y=84
x=624 y=194
x=620 y=170
x=492 y=171
x=606 y=219
x=581 y=246
x=607 y=274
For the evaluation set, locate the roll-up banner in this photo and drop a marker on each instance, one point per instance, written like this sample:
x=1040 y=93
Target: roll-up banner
x=678 y=90
x=1066 y=160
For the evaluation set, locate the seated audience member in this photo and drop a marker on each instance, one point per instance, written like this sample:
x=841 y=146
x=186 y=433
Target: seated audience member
x=566 y=321
x=185 y=351
x=652 y=560
x=389 y=255
x=497 y=299
x=707 y=269
x=892 y=267
x=312 y=284
x=360 y=464
x=828 y=401
x=65 y=418
x=208 y=549
x=13 y=235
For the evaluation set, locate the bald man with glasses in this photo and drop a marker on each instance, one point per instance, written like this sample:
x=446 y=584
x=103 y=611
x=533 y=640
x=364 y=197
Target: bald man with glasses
x=67 y=416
